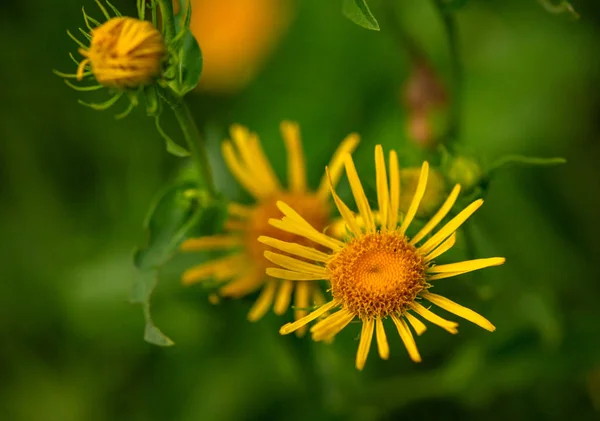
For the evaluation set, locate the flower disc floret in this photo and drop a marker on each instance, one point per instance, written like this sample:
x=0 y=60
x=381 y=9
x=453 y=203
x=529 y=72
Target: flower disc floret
x=377 y=275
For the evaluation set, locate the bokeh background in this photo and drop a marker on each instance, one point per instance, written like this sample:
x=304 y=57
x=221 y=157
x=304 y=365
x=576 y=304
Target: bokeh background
x=75 y=185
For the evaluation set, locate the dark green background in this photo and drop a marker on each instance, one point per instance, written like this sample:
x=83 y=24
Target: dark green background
x=75 y=185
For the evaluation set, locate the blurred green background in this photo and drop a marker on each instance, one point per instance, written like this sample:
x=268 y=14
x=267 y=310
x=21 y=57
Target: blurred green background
x=75 y=185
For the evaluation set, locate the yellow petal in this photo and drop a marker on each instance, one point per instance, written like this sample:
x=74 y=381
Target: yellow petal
x=407 y=338
x=366 y=336
x=382 y=342
x=295 y=249
x=302 y=303
x=459 y=310
x=467 y=265
x=440 y=214
x=291 y=226
x=383 y=193
x=416 y=200
x=283 y=297
x=359 y=194
x=264 y=301
x=214 y=242
x=442 y=248
x=394 y=190
x=293 y=264
x=330 y=326
x=241 y=174
x=296 y=166
x=450 y=227
x=434 y=318
x=336 y=164
x=292 y=275
x=290 y=327
x=243 y=285
x=346 y=213
x=206 y=270
x=417 y=325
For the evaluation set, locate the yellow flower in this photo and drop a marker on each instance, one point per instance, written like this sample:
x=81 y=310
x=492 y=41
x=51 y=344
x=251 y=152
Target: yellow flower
x=245 y=268
x=236 y=36
x=124 y=53
x=378 y=272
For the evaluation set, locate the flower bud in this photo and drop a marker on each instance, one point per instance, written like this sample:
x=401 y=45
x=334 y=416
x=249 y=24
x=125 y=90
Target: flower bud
x=435 y=192
x=124 y=53
x=465 y=171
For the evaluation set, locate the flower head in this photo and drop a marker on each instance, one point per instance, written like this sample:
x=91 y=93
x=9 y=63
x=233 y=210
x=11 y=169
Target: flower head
x=124 y=53
x=245 y=267
x=378 y=271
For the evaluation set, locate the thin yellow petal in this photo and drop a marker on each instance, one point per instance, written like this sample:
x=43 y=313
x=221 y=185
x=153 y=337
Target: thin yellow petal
x=295 y=249
x=290 y=226
x=407 y=338
x=416 y=200
x=264 y=301
x=336 y=164
x=290 y=327
x=459 y=310
x=240 y=211
x=296 y=165
x=467 y=265
x=302 y=303
x=439 y=215
x=215 y=242
x=292 y=275
x=346 y=213
x=450 y=227
x=434 y=318
x=366 y=336
x=288 y=211
x=395 y=191
x=417 y=325
x=359 y=195
x=331 y=326
x=292 y=264
x=383 y=192
x=260 y=161
x=206 y=270
x=283 y=297
x=256 y=189
x=243 y=285
x=382 y=343
x=442 y=248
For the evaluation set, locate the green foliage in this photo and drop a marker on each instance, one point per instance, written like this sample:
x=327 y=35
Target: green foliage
x=559 y=6
x=358 y=12
x=180 y=212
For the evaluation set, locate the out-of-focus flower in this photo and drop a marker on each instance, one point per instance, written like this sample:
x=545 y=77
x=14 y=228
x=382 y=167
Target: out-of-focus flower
x=378 y=272
x=124 y=53
x=236 y=36
x=245 y=267
x=424 y=97
x=464 y=170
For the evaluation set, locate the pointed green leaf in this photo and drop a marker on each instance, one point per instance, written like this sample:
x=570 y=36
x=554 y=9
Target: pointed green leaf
x=358 y=12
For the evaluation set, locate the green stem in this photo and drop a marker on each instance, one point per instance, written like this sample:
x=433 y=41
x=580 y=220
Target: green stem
x=193 y=139
x=168 y=19
x=451 y=29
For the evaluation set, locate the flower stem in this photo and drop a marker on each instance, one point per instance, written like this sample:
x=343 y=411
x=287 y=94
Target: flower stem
x=194 y=140
x=168 y=19
x=451 y=29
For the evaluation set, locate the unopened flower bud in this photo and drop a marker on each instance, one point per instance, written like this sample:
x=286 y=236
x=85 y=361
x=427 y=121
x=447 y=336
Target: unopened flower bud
x=435 y=192
x=124 y=53
x=465 y=171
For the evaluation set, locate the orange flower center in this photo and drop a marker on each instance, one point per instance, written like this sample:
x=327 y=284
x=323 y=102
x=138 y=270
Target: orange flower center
x=311 y=207
x=377 y=275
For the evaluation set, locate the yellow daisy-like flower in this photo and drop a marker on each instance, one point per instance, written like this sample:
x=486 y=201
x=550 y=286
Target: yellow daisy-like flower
x=379 y=271
x=124 y=53
x=245 y=268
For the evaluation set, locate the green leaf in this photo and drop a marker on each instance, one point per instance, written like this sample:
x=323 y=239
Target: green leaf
x=140 y=294
x=524 y=161
x=181 y=212
x=172 y=147
x=188 y=62
x=358 y=12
